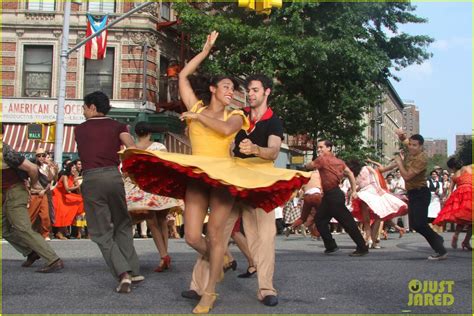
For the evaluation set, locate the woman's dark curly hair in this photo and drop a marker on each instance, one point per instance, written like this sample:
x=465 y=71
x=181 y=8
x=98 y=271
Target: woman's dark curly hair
x=201 y=83
x=355 y=166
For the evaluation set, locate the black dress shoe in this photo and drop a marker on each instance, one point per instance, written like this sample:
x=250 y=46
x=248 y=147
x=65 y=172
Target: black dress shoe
x=30 y=259
x=247 y=274
x=191 y=294
x=359 y=253
x=52 y=267
x=270 y=300
x=331 y=250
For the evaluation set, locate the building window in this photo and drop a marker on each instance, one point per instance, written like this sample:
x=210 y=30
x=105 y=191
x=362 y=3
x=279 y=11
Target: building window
x=163 y=85
x=37 y=70
x=41 y=5
x=165 y=11
x=99 y=74
x=102 y=6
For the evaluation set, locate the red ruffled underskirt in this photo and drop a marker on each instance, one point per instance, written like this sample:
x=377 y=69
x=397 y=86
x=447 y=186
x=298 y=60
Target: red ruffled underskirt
x=458 y=207
x=357 y=212
x=167 y=178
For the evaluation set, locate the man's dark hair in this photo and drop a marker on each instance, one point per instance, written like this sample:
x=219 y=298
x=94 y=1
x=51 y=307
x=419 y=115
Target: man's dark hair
x=418 y=138
x=454 y=163
x=267 y=83
x=327 y=143
x=434 y=170
x=100 y=100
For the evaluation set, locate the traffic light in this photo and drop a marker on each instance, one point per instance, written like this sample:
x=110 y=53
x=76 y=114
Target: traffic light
x=49 y=132
x=261 y=6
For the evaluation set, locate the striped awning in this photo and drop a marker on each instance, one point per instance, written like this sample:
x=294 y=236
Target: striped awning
x=177 y=143
x=16 y=136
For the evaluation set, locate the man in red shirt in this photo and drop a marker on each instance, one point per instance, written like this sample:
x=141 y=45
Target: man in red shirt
x=98 y=140
x=332 y=170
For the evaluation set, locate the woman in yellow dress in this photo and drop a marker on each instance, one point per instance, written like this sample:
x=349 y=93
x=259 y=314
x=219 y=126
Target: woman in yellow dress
x=210 y=177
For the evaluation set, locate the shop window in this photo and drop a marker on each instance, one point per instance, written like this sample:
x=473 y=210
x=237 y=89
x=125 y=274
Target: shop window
x=37 y=71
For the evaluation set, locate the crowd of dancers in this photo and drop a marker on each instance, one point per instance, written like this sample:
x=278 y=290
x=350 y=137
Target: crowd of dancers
x=229 y=179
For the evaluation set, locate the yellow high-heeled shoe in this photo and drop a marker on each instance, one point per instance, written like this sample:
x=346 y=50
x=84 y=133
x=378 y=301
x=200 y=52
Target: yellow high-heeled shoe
x=201 y=309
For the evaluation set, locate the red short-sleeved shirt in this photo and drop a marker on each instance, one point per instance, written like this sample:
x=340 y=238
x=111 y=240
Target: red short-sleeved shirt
x=331 y=170
x=98 y=141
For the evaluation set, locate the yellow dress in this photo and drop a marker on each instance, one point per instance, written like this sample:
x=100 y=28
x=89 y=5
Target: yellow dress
x=254 y=180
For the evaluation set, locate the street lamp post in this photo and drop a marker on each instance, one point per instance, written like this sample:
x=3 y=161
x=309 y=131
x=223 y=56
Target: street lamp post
x=58 y=144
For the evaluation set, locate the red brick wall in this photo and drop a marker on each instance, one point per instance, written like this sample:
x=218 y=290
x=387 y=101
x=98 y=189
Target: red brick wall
x=9 y=5
x=70 y=92
x=137 y=64
x=7 y=91
x=9 y=47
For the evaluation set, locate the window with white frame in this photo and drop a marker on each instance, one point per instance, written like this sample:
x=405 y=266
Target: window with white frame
x=165 y=10
x=99 y=74
x=37 y=71
x=41 y=5
x=102 y=6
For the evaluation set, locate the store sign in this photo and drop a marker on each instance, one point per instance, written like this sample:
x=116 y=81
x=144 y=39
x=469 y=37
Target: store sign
x=35 y=131
x=40 y=110
x=45 y=110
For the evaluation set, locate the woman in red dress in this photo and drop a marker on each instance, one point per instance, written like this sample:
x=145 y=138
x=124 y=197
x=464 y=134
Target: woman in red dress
x=458 y=207
x=67 y=200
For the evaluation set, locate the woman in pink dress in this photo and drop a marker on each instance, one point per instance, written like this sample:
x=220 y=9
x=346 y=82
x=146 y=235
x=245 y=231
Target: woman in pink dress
x=373 y=203
x=458 y=207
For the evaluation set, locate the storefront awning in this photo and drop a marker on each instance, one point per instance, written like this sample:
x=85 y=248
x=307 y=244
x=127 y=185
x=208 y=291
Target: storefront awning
x=16 y=136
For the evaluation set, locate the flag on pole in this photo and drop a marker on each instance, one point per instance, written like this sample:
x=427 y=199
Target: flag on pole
x=96 y=47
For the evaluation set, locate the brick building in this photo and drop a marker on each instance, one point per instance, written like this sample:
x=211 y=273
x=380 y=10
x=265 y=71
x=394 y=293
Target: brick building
x=411 y=118
x=436 y=147
x=30 y=52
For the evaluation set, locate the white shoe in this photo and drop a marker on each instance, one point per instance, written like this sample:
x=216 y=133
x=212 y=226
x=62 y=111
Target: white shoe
x=376 y=246
x=303 y=230
x=125 y=285
x=437 y=256
x=137 y=278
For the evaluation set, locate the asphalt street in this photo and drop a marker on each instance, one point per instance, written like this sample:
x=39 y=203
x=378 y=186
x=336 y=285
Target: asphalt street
x=308 y=281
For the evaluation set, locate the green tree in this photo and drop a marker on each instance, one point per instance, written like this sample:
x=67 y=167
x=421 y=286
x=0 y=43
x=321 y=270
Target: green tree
x=464 y=153
x=330 y=60
x=437 y=160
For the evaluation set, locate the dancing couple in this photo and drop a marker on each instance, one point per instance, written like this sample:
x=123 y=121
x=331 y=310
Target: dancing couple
x=211 y=178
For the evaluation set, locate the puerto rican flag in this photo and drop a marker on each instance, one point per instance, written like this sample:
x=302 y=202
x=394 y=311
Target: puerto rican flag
x=96 y=47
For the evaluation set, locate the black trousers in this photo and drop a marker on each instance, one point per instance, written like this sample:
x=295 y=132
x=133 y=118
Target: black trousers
x=418 y=202
x=332 y=205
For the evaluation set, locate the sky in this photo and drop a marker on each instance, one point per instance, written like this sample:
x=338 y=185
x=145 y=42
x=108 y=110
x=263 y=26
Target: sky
x=442 y=86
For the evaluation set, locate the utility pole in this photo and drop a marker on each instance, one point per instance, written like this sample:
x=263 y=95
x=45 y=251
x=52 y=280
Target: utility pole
x=65 y=52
